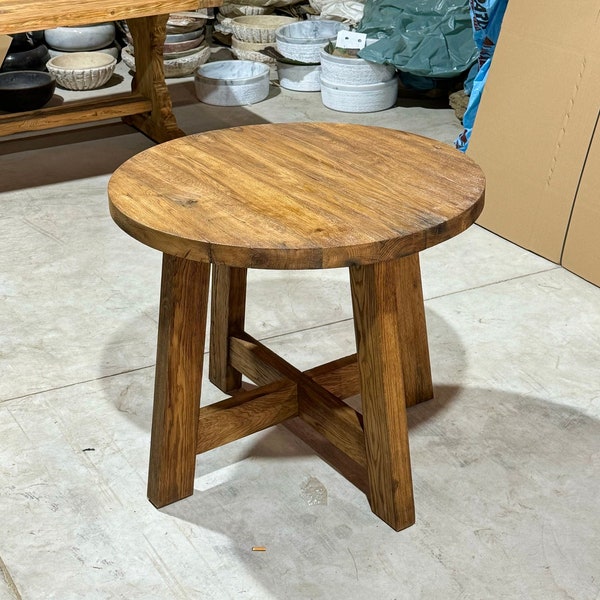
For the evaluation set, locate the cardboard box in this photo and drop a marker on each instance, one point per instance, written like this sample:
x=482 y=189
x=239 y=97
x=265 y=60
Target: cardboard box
x=5 y=41
x=581 y=253
x=535 y=125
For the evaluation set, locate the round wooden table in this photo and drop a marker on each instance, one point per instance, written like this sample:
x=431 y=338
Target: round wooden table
x=293 y=196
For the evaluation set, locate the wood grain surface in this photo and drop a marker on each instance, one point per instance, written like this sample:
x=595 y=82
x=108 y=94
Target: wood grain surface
x=227 y=319
x=325 y=412
x=148 y=35
x=178 y=380
x=30 y=15
x=75 y=112
x=383 y=343
x=246 y=413
x=296 y=195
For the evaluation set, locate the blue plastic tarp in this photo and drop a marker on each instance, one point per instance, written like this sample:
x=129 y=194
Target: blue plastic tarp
x=486 y=16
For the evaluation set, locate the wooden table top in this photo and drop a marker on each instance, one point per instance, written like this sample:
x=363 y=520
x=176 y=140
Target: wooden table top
x=30 y=15
x=296 y=195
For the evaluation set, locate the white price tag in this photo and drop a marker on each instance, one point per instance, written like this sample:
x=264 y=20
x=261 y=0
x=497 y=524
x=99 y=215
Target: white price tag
x=351 y=39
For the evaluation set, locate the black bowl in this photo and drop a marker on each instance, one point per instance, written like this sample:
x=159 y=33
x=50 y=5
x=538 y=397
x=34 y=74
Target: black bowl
x=33 y=59
x=26 y=41
x=25 y=90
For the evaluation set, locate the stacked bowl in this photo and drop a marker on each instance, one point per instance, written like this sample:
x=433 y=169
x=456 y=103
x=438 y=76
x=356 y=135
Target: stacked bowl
x=300 y=45
x=27 y=52
x=253 y=33
x=24 y=84
x=83 y=57
x=82 y=38
x=184 y=49
x=352 y=84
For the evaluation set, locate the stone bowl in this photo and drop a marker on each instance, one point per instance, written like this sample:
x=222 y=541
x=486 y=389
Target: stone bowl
x=176 y=47
x=239 y=10
x=26 y=40
x=300 y=78
x=258 y=28
x=181 y=23
x=81 y=38
x=82 y=70
x=32 y=59
x=253 y=55
x=174 y=67
x=175 y=38
x=362 y=98
x=251 y=46
x=303 y=41
x=25 y=90
x=172 y=47
x=232 y=82
x=353 y=70
x=113 y=50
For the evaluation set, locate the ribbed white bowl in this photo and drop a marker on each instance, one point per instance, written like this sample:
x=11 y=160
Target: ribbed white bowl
x=353 y=71
x=82 y=70
x=232 y=82
x=258 y=28
x=359 y=98
x=304 y=40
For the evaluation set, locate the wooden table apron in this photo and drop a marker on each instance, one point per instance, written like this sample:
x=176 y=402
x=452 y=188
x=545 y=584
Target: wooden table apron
x=148 y=107
x=293 y=196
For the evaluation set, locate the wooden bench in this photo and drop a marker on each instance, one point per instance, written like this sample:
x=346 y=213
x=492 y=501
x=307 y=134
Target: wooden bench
x=148 y=107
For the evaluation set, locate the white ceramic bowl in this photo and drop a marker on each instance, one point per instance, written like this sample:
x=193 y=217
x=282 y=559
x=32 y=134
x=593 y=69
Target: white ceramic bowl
x=81 y=38
x=304 y=40
x=300 y=78
x=232 y=82
x=359 y=98
x=174 y=67
x=353 y=71
x=82 y=70
x=258 y=28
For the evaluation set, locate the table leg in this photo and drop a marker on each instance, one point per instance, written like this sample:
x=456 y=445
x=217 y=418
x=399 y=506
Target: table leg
x=387 y=320
x=411 y=308
x=148 y=35
x=228 y=312
x=180 y=349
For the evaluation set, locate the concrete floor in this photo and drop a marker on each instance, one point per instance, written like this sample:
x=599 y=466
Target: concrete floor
x=506 y=458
